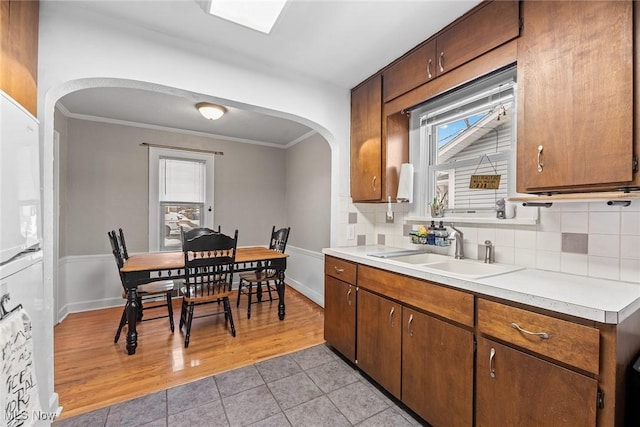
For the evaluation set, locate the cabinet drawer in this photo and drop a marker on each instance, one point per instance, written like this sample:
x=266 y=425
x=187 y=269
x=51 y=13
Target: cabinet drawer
x=340 y=269
x=567 y=342
x=442 y=301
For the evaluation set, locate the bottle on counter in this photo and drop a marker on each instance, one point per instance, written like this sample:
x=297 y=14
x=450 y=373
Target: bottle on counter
x=431 y=234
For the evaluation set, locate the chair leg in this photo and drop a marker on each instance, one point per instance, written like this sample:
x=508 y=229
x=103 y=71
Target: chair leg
x=239 y=293
x=227 y=309
x=183 y=314
x=170 y=309
x=249 y=287
x=269 y=289
x=188 y=331
x=140 y=309
x=123 y=321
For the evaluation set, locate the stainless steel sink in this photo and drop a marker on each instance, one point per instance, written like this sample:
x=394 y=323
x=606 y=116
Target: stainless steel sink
x=472 y=269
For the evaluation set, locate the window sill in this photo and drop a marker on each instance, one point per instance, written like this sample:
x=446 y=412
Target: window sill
x=471 y=220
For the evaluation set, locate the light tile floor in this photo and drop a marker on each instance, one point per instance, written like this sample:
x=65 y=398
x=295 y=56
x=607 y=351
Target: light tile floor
x=312 y=387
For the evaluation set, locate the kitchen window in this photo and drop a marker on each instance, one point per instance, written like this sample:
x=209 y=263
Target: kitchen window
x=466 y=147
x=180 y=195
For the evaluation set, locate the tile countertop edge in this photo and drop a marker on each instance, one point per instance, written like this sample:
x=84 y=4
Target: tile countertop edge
x=555 y=294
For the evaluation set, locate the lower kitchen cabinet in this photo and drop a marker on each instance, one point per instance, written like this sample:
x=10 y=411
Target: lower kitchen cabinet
x=437 y=370
x=379 y=326
x=517 y=389
x=340 y=316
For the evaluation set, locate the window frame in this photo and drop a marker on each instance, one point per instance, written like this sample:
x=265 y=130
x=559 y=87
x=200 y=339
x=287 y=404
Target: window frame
x=423 y=151
x=156 y=217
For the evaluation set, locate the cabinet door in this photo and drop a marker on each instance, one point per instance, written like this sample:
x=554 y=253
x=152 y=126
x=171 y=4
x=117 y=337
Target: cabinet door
x=340 y=316
x=575 y=80
x=379 y=339
x=19 y=52
x=437 y=370
x=411 y=71
x=480 y=31
x=516 y=389
x=366 y=149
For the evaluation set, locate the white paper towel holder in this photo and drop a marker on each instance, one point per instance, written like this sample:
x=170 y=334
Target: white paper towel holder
x=405 y=183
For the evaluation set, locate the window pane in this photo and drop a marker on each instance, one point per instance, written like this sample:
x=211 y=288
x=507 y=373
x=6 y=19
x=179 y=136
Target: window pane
x=175 y=217
x=181 y=180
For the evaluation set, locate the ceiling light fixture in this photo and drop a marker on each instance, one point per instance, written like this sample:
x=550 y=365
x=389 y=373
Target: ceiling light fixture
x=258 y=15
x=211 y=111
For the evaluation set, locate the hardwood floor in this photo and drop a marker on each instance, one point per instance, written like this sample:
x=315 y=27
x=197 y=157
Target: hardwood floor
x=92 y=372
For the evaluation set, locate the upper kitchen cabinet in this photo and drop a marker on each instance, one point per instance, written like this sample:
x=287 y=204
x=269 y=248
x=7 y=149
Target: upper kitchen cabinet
x=19 y=51
x=366 y=126
x=575 y=115
x=487 y=26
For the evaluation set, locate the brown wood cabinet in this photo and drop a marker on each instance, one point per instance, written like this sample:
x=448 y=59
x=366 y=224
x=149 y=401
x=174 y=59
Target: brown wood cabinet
x=366 y=141
x=19 y=51
x=575 y=79
x=437 y=369
x=517 y=389
x=340 y=306
x=546 y=394
x=483 y=28
x=379 y=329
x=532 y=367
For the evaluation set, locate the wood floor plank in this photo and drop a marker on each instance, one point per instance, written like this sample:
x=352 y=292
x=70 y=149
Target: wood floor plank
x=92 y=372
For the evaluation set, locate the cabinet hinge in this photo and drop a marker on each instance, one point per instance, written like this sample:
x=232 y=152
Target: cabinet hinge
x=475 y=345
x=600 y=399
x=634 y=164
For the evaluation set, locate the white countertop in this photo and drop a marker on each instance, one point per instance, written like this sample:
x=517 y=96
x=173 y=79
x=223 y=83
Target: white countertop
x=600 y=300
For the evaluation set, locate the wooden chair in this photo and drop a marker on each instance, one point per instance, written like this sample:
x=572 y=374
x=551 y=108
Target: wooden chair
x=209 y=259
x=147 y=294
x=251 y=283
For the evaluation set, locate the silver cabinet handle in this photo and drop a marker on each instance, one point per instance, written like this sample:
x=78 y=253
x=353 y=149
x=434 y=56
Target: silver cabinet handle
x=349 y=296
x=393 y=309
x=440 y=61
x=338 y=270
x=429 y=68
x=492 y=370
x=542 y=335
x=373 y=183
x=409 y=325
x=540 y=148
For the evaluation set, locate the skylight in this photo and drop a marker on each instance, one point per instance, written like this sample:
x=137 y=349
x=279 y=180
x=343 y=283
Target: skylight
x=259 y=15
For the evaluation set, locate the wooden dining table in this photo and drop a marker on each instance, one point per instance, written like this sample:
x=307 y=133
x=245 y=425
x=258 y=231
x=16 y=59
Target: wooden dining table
x=149 y=267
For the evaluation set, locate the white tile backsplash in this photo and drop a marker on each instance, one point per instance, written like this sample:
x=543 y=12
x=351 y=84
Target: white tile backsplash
x=606 y=245
x=613 y=234
x=575 y=222
x=604 y=222
x=630 y=222
x=549 y=241
x=604 y=267
x=574 y=264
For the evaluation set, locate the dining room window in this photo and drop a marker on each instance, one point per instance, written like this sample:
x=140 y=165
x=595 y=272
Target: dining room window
x=180 y=195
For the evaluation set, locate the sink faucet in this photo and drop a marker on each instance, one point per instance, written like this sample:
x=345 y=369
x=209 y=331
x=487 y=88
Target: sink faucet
x=489 y=252
x=457 y=236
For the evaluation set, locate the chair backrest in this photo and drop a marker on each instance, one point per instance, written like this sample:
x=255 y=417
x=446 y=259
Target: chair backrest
x=117 y=254
x=123 y=244
x=195 y=232
x=209 y=259
x=279 y=239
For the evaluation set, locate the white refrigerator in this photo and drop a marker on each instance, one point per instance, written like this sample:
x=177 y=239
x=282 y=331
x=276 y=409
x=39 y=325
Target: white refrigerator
x=21 y=273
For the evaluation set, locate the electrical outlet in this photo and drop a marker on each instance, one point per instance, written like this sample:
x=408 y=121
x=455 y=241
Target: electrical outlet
x=351 y=232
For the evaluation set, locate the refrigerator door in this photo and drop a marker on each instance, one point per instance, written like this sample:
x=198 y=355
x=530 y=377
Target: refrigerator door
x=22 y=280
x=19 y=179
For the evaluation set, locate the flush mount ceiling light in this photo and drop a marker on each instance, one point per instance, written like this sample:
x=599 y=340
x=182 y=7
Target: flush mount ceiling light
x=259 y=15
x=210 y=111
